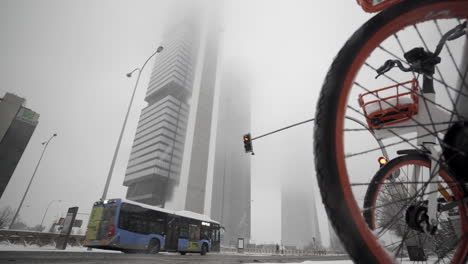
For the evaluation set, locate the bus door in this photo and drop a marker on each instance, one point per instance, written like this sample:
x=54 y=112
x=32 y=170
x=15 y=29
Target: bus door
x=215 y=238
x=172 y=233
x=193 y=237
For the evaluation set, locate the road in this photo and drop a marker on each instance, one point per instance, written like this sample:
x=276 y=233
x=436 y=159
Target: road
x=32 y=257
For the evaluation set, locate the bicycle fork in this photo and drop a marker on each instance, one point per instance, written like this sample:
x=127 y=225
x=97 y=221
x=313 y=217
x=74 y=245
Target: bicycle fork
x=426 y=219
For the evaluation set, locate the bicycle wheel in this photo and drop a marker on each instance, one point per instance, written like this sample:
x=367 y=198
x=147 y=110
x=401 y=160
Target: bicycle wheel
x=387 y=214
x=345 y=160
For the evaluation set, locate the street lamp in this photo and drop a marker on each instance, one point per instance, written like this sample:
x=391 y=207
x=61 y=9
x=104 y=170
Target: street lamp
x=47 y=209
x=111 y=169
x=45 y=144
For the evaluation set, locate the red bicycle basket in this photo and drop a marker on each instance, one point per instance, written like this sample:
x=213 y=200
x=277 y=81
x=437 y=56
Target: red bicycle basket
x=382 y=110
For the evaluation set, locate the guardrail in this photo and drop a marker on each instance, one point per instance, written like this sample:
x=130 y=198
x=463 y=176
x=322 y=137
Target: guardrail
x=36 y=238
x=268 y=251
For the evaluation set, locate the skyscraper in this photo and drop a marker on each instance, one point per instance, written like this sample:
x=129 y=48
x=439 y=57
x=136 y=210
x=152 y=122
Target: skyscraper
x=155 y=161
x=17 y=125
x=229 y=201
x=169 y=158
x=299 y=221
x=187 y=153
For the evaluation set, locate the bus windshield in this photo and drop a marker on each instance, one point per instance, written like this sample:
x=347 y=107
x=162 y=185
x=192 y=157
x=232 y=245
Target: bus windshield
x=100 y=221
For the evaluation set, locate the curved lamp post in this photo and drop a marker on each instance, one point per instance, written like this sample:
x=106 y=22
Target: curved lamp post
x=111 y=169
x=47 y=209
x=45 y=144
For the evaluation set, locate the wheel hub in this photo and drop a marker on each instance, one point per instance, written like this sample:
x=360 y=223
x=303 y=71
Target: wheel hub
x=417 y=219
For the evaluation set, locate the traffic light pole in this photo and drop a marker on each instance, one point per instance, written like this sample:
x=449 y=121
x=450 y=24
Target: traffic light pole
x=284 y=128
x=379 y=141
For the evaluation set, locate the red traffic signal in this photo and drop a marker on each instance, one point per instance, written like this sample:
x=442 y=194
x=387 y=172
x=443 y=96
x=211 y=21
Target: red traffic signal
x=382 y=161
x=248 y=143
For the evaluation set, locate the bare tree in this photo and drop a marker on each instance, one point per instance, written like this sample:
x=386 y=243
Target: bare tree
x=6 y=214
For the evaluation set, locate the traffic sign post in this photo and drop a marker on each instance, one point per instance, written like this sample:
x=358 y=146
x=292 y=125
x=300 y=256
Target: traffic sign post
x=67 y=227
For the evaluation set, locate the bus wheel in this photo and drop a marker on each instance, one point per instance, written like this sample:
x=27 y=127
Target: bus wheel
x=182 y=252
x=204 y=249
x=154 y=246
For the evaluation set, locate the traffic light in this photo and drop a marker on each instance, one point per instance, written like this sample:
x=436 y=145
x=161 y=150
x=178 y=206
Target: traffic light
x=248 y=143
x=382 y=161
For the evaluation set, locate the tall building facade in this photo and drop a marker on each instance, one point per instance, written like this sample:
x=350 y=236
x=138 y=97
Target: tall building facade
x=299 y=221
x=155 y=161
x=187 y=152
x=17 y=124
x=169 y=158
x=230 y=200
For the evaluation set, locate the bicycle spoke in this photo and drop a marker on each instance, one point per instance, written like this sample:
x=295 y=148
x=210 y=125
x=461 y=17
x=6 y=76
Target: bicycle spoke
x=399 y=126
x=407 y=88
x=402 y=200
x=454 y=89
x=442 y=143
x=394 y=218
x=455 y=245
x=388 y=145
x=460 y=75
x=437 y=244
x=437 y=69
x=403 y=139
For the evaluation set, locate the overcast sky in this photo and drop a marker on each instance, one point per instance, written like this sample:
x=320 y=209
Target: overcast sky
x=69 y=59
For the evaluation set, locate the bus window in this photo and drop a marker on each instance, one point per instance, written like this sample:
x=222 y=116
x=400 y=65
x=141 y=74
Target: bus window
x=183 y=230
x=206 y=234
x=194 y=232
x=141 y=220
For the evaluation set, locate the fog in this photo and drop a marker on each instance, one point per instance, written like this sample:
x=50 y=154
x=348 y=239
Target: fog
x=69 y=59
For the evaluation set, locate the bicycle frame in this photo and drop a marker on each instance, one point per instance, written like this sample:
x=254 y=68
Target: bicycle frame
x=427 y=123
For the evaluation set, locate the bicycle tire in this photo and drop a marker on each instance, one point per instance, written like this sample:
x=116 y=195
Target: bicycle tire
x=386 y=178
x=340 y=205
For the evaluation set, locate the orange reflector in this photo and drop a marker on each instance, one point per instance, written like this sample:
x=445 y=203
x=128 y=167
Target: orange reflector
x=444 y=193
x=382 y=160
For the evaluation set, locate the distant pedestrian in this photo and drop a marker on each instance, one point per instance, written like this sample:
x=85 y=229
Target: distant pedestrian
x=277 y=249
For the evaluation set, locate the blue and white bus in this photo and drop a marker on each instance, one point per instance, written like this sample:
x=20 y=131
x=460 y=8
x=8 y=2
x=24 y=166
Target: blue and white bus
x=132 y=227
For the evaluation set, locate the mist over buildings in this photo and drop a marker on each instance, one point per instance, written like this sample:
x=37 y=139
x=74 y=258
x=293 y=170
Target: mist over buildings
x=69 y=59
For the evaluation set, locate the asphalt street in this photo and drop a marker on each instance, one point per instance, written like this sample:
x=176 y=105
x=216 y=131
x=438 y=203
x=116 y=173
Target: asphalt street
x=34 y=257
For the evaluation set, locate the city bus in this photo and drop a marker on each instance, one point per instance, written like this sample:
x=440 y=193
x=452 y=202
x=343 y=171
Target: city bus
x=131 y=227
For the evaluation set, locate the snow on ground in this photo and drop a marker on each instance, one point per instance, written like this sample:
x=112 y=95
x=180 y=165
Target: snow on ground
x=13 y=247
x=322 y=262
x=405 y=261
